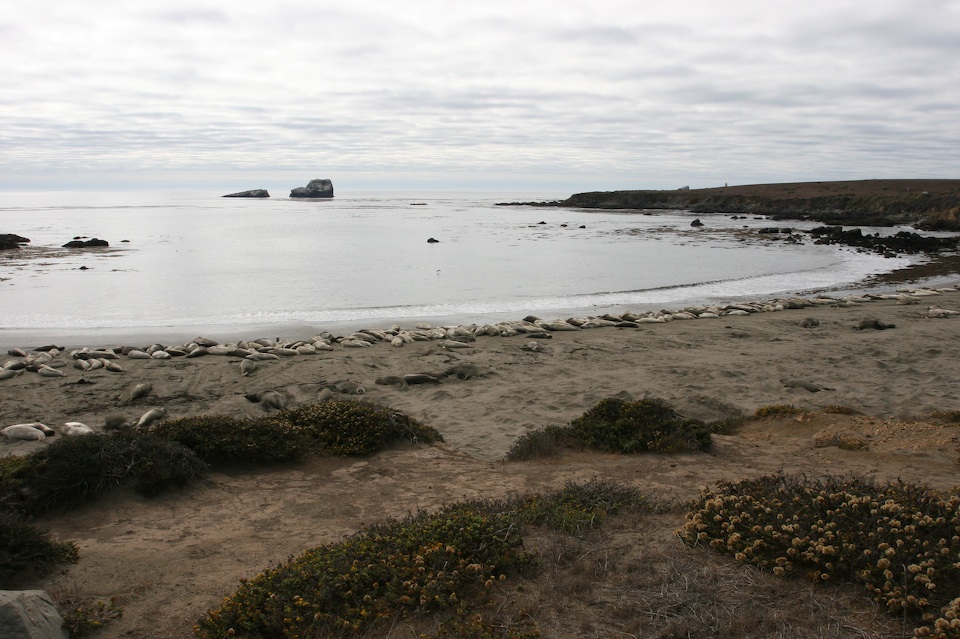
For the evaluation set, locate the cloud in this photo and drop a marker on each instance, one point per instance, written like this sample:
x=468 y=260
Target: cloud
x=654 y=95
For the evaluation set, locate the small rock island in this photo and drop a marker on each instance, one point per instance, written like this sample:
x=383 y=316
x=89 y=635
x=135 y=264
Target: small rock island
x=253 y=193
x=315 y=189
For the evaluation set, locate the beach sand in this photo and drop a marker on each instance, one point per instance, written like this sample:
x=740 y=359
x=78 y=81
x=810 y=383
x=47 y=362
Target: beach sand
x=171 y=558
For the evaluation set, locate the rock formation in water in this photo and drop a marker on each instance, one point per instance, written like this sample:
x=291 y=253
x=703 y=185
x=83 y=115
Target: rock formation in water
x=253 y=193
x=91 y=243
x=316 y=188
x=11 y=241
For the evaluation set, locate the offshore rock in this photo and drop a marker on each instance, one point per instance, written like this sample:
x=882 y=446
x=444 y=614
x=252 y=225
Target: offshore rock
x=11 y=241
x=91 y=243
x=253 y=193
x=316 y=188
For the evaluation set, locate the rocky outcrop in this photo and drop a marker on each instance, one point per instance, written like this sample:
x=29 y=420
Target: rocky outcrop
x=91 y=243
x=11 y=241
x=29 y=614
x=315 y=189
x=253 y=193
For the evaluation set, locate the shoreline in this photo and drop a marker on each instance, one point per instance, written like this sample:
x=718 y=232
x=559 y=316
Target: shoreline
x=723 y=362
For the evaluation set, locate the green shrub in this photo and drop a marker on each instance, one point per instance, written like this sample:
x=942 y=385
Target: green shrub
x=75 y=470
x=542 y=442
x=84 y=618
x=617 y=425
x=902 y=542
x=24 y=549
x=349 y=427
x=579 y=507
x=218 y=438
x=424 y=563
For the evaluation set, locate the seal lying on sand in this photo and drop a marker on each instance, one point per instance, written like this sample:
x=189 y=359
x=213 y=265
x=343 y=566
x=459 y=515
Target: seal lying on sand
x=875 y=324
x=463 y=371
x=421 y=378
x=151 y=416
x=392 y=380
x=26 y=432
x=268 y=399
x=799 y=383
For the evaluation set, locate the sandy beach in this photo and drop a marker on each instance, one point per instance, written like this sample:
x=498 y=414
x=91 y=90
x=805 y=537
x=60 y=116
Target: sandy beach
x=171 y=558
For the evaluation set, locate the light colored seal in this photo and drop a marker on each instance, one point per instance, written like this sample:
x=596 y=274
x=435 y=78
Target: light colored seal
x=46 y=371
x=324 y=395
x=351 y=388
x=151 y=416
x=809 y=322
x=26 y=432
x=141 y=390
x=75 y=429
x=247 y=367
x=10 y=374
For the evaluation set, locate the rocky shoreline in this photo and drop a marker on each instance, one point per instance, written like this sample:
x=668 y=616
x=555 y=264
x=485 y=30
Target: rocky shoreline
x=924 y=204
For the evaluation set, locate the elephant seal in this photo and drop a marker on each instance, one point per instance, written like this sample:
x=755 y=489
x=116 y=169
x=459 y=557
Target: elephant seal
x=141 y=390
x=421 y=378
x=75 y=429
x=46 y=371
x=247 y=366
x=116 y=422
x=809 y=322
x=324 y=395
x=463 y=371
x=799 y=383
x=268 y=399
x=26 y=432
x=392 y=380
x=875 y=324
x=151 y=416
x=9 y=374
x=351 y=388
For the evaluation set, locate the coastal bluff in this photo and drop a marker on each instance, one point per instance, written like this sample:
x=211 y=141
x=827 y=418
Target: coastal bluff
x=924 y=204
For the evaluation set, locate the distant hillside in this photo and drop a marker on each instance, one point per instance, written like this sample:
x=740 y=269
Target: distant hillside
x=924 y=204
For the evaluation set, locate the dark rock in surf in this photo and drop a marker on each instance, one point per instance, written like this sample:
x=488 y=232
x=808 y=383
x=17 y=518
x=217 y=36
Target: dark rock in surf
x=91 y=243
x=253 y=193
x=11 y=241
x=314 y=189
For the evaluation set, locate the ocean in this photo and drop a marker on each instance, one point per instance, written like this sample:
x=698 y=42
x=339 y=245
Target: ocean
x=177 y=261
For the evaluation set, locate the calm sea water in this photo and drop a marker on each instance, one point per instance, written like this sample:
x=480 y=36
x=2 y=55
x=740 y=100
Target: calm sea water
x=193 y=259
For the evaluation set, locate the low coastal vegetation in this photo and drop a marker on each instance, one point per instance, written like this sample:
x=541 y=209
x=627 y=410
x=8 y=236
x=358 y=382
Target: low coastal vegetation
x=488 y=568
x=901 y=542
x=438 y=566
x=620 y=426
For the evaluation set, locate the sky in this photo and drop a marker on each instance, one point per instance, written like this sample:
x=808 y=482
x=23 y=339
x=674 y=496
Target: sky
x=526 y=95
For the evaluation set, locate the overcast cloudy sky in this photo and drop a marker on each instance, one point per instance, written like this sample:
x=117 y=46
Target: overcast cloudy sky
x=553 y=95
